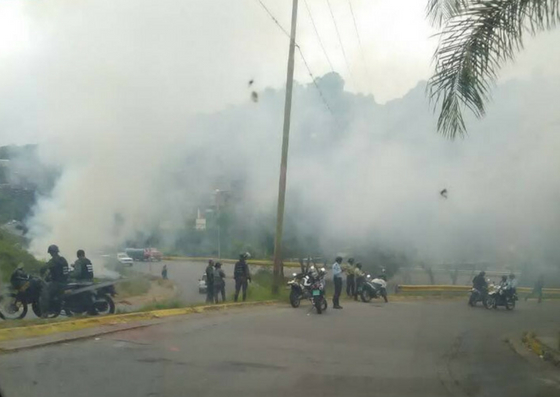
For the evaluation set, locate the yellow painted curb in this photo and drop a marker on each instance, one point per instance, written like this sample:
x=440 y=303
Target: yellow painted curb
x=74 y=325
x=254 y=262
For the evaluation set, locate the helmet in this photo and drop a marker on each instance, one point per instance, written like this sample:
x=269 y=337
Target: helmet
x=482 y=274
x=359 y=265
x=245 y=255
x=351 y=260
x=504 y=278
x=53 y=249
x=338 y=259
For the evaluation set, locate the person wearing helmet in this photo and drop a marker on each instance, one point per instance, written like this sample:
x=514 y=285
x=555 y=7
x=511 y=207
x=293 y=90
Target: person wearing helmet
x=479 y=282
x=337 y=278
x=83 y=268
x=241 y=275
x=56 y=276
x=350 y=281
x=360 y=277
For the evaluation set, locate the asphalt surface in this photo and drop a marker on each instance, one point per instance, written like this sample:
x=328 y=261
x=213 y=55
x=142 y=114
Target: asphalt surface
x=441 y=348
x=185 y=275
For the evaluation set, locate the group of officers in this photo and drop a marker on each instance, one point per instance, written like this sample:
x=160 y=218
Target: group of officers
x=57 y=273
x=215 y=279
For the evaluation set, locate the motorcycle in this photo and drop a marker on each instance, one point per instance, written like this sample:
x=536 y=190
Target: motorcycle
x=318 y=293
x=25 y=290
x=300 y=288
x=373 y=288
x=479 y=296
x=82 y=297
x=76 y=298
x=501 y=296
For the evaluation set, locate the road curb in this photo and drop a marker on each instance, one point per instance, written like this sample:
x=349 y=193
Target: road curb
x=253 y=262
x=520 y=347
x=8 y=334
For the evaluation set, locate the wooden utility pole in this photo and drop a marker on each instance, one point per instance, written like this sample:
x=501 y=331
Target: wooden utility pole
x=284 y=161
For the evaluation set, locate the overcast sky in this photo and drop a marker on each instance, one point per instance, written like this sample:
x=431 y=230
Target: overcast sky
x=200 y=54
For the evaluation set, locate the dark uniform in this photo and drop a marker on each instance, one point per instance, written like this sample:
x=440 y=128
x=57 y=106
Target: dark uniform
x=209 y=282
x=56 y=278
x=83 y=270
x=241 y=275
x=219 y=283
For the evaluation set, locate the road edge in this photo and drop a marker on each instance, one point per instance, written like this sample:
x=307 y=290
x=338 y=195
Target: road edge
x=516 y=344
x=18 y=333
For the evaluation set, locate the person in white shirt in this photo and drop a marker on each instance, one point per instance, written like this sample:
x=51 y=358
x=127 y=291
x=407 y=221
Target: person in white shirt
x=337 y=278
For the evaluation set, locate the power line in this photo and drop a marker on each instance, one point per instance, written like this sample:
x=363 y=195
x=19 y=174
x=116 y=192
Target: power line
x=359 y=39
x=340 y=40
x=302 y=57
x=318 y=36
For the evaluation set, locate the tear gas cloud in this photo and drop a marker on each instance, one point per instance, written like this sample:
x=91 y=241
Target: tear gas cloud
x=117 y=121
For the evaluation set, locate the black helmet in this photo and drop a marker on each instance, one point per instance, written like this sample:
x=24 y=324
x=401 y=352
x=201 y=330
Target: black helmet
x=504 y=278
x=53 y=249
x=350 y=260
x=359 y=265
x=482 y=274
x=244 y=255
x=338 y=259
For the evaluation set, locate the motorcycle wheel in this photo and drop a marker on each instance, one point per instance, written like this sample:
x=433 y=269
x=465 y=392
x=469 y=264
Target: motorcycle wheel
x=318 y=305
x=490 y=302
x=324 y=304
x=295 y=299
x=510 y=303
x=37 y=310
x=104 y=305
x=365 y=295
x=11 y=308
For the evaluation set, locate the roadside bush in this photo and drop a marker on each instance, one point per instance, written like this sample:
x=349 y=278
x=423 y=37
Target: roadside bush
x=12 y=254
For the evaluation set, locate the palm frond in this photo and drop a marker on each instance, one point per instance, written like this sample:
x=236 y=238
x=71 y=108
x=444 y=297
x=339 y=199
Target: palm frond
x=440 y=11
x=474 y=44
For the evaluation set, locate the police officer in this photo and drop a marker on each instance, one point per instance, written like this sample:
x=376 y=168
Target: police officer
x=241 y=275
x=210 y=281
x=56 y=276
x=337 y=279
x=350 y=284
x=83 y=269
x=360 y=276
x=219 y=283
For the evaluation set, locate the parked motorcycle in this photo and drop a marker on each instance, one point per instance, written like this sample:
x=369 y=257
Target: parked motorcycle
x=478 y=296
x=373 y=288
x=318 y=290
x=300 y=288
x=501 y=296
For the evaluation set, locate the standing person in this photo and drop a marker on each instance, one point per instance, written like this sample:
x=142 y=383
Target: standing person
x=537 y=289
x=241 y=275
x=83 y=268
x=350 y=283
x=219 y=283
x=337 y=278
x=56 y=276
x=210 y=281
x=83 y=272
x=360 y=276
x=164 y=272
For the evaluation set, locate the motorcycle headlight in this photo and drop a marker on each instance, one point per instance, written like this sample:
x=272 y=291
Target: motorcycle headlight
x=294 y=274
x=323 y=269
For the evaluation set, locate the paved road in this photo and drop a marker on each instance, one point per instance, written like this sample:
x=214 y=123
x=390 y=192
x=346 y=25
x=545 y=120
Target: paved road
x=400 y=349
x=186 y=275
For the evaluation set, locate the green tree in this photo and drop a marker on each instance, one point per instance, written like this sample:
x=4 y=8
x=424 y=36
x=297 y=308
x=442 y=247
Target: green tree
x=477 y=37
